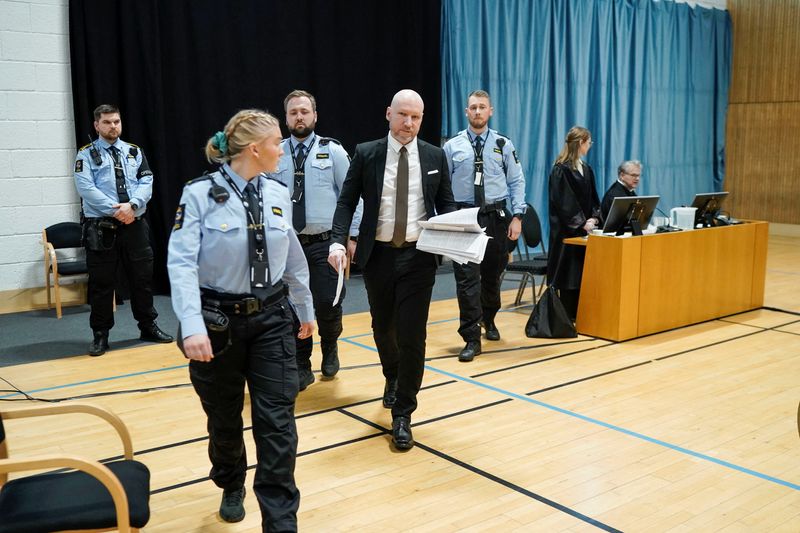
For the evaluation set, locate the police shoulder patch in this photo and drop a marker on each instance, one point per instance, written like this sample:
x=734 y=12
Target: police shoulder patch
x=277 y=211
x=516 y=159
x=179 y=213
x=79 y=165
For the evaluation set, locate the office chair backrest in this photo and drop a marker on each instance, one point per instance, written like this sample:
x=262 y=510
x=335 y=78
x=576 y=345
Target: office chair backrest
x=64 y=235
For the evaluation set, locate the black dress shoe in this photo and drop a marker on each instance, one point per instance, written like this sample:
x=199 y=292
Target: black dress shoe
x=100 y=343
x=390 y=393
x=330 y=359
x=401 y=433
x=469 y=352
x=491 y=331
x=153 y=333
x=305 y=377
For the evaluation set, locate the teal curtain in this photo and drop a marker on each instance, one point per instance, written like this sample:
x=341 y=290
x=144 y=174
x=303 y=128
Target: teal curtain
x=648 y=78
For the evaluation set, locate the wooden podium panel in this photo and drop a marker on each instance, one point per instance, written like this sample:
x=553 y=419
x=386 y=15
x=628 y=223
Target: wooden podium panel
x=635 y=286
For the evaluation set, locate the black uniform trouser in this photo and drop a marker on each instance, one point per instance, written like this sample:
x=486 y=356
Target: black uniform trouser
x=399 y=284
x=130 y=249
x=478 y=286
x=323 y=290
x=262 y=354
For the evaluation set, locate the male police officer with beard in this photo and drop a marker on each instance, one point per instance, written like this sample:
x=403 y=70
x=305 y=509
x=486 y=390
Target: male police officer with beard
x=115 y=183
x=314 y=168
x=486 y=173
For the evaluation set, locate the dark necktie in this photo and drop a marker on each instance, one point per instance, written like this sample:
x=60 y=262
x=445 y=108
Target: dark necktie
x=119 y=175
x=252 y=201
x=299 y=192
x=480 y=197
x=401 y=200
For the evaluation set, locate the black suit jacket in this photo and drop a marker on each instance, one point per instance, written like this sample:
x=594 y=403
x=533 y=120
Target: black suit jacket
x=616 y=190
x=365 y=180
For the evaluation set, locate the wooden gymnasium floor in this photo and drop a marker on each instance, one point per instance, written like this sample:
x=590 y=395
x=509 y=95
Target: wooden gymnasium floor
x=689 y=430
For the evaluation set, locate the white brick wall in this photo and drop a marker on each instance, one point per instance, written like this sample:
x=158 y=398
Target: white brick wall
x=37 y=146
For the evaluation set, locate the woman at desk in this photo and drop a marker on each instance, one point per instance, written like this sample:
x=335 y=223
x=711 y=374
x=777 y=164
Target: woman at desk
x=574 y=210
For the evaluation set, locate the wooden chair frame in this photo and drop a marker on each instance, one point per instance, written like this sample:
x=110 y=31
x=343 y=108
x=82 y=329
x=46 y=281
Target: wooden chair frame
x=93 y=468
x=51 y=267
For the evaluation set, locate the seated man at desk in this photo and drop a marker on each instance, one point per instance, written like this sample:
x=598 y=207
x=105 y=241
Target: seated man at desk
x=628 y=175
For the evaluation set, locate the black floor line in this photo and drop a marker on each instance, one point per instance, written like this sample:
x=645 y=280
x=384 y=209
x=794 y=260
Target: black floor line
x=487 y=475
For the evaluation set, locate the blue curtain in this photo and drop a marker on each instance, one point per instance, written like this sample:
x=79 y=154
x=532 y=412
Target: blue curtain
x=648 y=78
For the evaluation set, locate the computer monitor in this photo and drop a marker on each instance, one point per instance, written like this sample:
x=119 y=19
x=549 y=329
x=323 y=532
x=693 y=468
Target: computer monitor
x=708 y=205
x=630 y=213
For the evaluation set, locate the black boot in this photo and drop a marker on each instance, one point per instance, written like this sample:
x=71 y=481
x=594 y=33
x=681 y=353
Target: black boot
x=469 y=352
x=153 y=333
x=330 y=359
x=100 y=343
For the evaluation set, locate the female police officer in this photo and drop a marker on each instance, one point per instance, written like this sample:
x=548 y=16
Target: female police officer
x=231 y=251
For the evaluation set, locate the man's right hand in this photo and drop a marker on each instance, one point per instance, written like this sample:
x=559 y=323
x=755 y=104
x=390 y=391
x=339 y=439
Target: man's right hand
x=337 y=259
x=198 y=347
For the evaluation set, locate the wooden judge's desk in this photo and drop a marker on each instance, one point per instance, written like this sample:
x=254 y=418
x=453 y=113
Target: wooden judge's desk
x=634 y=286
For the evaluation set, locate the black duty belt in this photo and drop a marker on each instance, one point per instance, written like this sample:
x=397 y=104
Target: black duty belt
x=242 y=304
x=311 y=239
x=499 y=205
x=112 y=220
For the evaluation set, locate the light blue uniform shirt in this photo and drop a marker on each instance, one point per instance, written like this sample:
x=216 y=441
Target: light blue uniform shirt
x=209 y=248
x=97 y=184
x=325 y=168
x=498 y=183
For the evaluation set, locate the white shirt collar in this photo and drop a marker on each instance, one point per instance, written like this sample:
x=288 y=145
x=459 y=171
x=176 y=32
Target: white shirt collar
x=395 y=145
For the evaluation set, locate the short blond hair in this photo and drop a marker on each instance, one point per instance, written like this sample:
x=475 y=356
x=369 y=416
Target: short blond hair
x=245 y=127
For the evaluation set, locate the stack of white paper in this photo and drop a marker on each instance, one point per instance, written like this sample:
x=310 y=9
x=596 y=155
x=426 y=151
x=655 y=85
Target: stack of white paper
x=456 y=235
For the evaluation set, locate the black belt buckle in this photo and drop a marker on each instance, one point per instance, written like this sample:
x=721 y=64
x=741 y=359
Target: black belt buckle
x=251 y=305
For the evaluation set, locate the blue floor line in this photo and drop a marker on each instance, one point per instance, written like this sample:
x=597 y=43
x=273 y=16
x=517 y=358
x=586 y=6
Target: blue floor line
x=628 y=432
x=99 y=380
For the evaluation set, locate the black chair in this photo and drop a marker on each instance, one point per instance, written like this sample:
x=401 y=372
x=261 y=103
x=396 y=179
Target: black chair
x=526 y=263
x=61 y=236
x=90 y=497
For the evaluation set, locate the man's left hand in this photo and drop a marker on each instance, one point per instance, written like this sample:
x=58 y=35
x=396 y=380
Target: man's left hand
x=306 y=329
x=514 y=229
x=124 y=213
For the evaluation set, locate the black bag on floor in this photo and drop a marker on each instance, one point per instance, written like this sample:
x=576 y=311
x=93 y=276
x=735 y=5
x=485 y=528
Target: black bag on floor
x=549 y=319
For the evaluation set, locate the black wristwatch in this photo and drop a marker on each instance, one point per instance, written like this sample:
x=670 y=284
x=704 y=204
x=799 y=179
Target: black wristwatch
x=517 y=215
x=354 y=238
x=133 y=205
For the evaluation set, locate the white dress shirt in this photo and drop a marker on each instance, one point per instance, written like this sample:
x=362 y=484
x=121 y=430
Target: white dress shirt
x=416 y=202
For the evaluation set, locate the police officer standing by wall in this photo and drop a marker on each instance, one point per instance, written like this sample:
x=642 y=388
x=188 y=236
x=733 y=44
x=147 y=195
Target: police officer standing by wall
x=115 y=183
x=314 y=168
x=486 y=173
x=232 y=255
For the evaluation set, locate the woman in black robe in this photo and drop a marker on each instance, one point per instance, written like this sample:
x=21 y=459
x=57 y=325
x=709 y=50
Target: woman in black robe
x=574 y=212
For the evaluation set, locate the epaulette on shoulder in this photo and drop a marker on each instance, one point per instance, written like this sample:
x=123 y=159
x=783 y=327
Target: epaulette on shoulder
x=276 y=180
x=134 y=145
x=204 y=177
x=84 y=147
x=325 y=140
x=503 y=135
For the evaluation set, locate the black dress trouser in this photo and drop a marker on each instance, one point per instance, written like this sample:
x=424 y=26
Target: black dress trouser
x=399 y=284
x=478 y=285
x=262 y=354
x=323 y=280
x=131 y=249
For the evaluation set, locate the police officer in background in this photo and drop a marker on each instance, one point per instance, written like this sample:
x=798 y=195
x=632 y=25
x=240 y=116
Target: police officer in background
x=486 y=173
x=232 y=257
x=115 y=183
x=314 y=168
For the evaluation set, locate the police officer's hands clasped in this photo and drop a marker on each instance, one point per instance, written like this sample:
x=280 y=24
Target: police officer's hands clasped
x=124 y=213
x=514 y=229
x=198 y=347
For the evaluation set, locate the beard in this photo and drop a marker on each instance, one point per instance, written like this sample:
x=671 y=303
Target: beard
x=302 y=131
x=478 y=123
